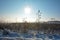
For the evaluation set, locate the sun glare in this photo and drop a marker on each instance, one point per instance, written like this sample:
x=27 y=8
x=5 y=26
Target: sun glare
x=27 y=10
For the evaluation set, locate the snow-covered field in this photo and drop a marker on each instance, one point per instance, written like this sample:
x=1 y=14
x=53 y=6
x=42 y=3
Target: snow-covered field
x=27 y=36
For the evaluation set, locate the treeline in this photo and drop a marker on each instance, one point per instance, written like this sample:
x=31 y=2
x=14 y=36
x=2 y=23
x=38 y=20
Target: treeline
x=25 y=27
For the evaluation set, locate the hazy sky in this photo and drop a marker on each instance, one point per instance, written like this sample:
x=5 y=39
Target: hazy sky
x=15 y=9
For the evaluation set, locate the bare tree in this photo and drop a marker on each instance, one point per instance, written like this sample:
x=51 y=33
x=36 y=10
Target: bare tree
x=38 y=20
x=38 y=16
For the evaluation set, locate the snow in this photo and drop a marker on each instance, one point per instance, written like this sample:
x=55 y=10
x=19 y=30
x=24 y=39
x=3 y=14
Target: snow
x=37 y=36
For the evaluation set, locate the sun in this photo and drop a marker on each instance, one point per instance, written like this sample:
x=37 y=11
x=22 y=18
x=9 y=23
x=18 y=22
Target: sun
x=27 y=10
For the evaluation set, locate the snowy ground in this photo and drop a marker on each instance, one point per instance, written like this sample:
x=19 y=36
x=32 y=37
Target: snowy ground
x=27 y=36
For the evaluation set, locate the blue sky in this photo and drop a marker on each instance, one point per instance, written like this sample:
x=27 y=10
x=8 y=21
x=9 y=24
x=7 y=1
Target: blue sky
x=15 y=8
